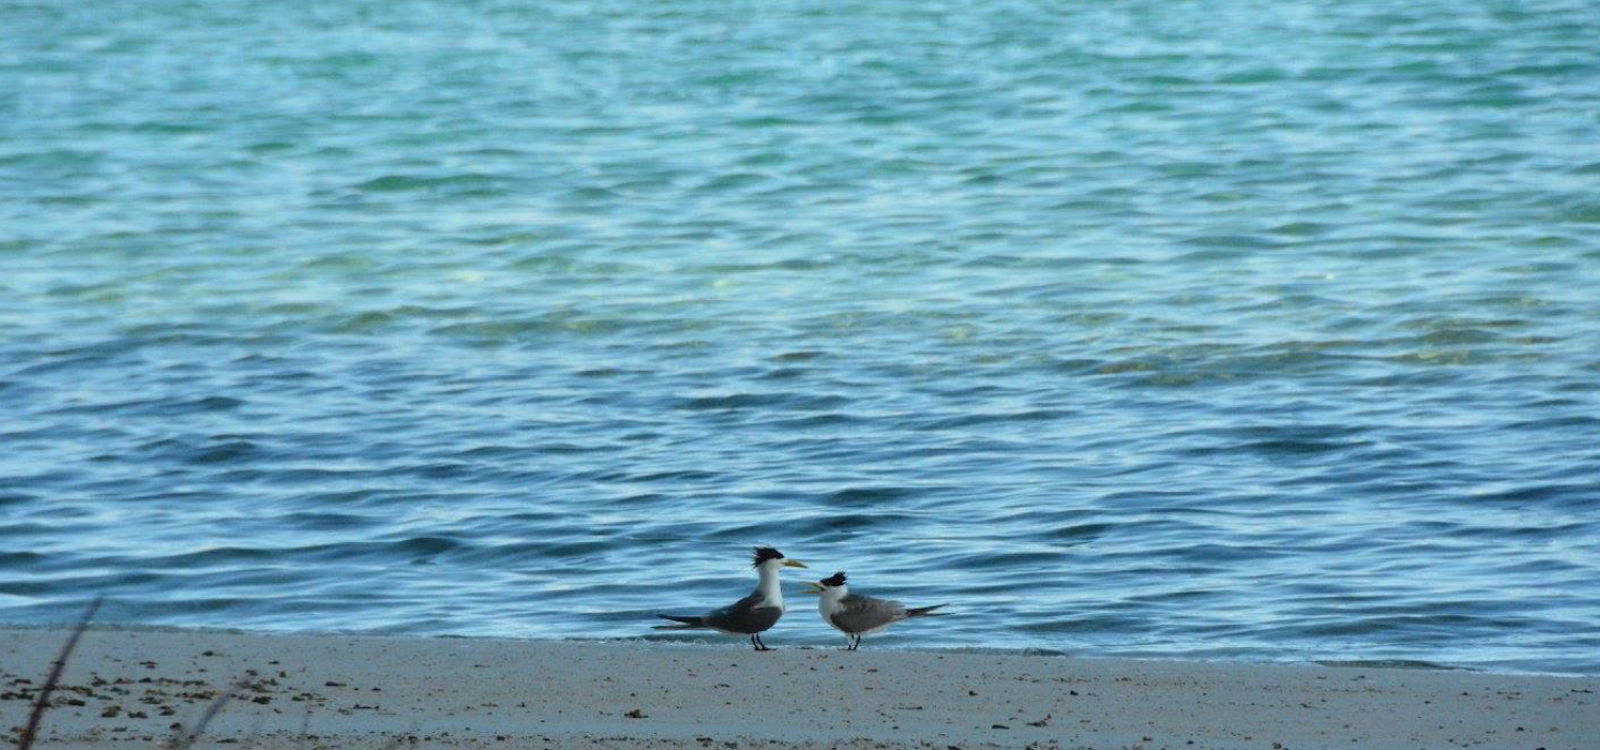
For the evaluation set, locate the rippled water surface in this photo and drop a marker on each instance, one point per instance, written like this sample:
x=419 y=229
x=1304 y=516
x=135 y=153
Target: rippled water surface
x=1263 y=330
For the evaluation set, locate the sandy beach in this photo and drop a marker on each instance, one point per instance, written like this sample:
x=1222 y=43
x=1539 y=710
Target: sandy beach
x=138 y=687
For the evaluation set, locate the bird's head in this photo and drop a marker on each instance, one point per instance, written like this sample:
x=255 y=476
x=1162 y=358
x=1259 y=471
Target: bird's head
x=832 y=587
x=768 y=558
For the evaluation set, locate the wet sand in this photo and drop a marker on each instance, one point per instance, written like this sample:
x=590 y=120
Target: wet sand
x=136 y=688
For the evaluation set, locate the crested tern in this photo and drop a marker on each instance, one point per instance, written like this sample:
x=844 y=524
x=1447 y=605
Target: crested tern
x=751 y=615
x=857 y=615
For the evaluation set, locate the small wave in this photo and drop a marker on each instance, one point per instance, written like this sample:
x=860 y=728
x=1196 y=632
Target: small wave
x=742 y=401
x=1386 y=664
x=854 y=496
x=410 y=182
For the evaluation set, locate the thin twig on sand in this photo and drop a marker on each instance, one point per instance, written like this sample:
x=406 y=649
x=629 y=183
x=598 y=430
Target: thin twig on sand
x=42 y=704
x=187 y=739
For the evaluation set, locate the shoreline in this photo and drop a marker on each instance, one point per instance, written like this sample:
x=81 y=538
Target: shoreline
x=649 y=640
x=130 y=684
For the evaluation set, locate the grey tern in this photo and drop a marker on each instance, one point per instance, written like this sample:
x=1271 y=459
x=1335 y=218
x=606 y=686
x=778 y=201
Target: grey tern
x=752 y=615
x=857 y=615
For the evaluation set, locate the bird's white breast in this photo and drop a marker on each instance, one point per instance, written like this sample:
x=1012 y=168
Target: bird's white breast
x=826 y=606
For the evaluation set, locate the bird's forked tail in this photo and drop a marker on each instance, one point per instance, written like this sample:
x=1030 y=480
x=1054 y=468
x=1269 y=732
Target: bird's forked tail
x=685 y=622
x=925 y=611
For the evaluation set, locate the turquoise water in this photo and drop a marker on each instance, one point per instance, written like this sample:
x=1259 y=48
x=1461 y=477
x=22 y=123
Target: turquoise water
x=1253 y=330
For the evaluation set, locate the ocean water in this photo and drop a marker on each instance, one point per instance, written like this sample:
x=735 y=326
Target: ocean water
x=1225 y=330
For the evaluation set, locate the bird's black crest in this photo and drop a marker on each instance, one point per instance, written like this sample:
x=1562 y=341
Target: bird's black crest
x=764 y=554
x=837 y=579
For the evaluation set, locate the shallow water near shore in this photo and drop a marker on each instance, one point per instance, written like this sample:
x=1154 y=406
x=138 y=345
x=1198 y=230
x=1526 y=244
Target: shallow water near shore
x=1237 y=330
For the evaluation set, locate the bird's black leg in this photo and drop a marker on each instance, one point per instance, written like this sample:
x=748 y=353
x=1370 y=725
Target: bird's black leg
x=763 y=644
x=753 y=643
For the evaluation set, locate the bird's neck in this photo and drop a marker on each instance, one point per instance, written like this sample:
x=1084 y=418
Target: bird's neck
x=768 y=586
x=829 y=600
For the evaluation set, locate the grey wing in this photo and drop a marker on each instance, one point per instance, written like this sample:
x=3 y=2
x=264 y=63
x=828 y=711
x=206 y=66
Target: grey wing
x=744 y=616
x=862 y=614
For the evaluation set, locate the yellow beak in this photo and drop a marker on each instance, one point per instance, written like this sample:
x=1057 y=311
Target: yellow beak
x=815 y=590
x=787 y=563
